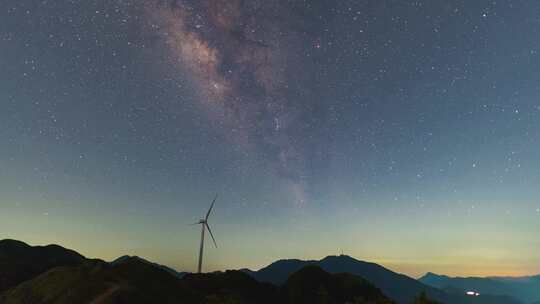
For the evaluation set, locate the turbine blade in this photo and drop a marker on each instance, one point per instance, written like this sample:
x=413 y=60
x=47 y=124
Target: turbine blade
x=210 y=230
x=194 y=224
x=211 y=206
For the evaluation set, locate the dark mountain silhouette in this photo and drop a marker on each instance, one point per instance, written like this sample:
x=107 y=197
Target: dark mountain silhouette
x=134 y=281
x=398 y=287
x=137 y=282
x=53 y=274
x=231 y=287
x=20 y=262
x=131 y=281
x=311 y=284
x=248 y=271
x=166 y=268
x=423 y=298
x=68 y=277
x=526 y=289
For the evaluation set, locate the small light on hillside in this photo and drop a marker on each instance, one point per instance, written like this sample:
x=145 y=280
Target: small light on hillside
x=473 y=293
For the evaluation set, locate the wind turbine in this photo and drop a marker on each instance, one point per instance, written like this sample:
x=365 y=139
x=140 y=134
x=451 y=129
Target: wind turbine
x=204 y=225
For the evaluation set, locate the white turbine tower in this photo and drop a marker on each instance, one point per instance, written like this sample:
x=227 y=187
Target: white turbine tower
x=204 y=225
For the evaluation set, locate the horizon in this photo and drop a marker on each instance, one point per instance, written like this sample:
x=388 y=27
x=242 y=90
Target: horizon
x=259 y=267
x=404 y=133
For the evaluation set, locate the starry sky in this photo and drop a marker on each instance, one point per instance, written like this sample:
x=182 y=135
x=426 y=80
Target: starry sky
x=401 y=132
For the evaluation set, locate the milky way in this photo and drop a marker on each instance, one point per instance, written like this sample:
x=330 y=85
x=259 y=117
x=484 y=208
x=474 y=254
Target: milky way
x=240 y=55
x=317 y=122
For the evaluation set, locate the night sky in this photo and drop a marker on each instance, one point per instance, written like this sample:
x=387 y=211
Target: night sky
x=401 y=132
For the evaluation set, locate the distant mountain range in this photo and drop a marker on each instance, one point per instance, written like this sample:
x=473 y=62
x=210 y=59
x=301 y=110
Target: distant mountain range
x=53 y=274
x=398 y=287
x=526 y=289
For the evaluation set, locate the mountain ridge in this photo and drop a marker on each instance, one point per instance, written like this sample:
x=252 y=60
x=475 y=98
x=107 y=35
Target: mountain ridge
x=526 y=289
x=53 y=271
x=401 y=288
x=20 y=261
x=134 y=280
x=170 y=270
